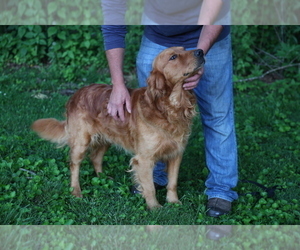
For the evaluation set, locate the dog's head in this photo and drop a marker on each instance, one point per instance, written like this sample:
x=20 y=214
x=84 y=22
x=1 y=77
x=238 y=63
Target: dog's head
x=173 y=66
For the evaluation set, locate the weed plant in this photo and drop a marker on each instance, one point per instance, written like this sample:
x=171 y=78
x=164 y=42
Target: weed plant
x=34 y=176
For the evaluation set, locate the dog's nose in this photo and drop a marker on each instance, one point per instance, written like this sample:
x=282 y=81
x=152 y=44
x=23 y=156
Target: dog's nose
x=198 y=53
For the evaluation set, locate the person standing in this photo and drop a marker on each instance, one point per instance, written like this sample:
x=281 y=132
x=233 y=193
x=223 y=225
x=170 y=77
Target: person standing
x=212 y=87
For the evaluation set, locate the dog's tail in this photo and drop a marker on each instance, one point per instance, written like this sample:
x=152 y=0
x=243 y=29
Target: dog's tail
x=52 y=130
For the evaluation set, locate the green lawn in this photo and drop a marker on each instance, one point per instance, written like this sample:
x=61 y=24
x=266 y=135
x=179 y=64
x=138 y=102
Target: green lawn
x=267 y=124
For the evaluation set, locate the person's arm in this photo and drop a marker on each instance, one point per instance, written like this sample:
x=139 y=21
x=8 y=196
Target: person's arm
x=119 y=99
x=209 y=11
x=114 y=43
x=208 y=37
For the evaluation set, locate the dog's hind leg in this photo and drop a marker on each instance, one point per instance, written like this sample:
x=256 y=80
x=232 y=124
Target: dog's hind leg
x=78 y=148
x=173 y=169
x=97 y=154
x=143 y=170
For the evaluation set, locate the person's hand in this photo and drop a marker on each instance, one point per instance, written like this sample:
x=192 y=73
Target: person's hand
x=192 y=82
x=119 y=101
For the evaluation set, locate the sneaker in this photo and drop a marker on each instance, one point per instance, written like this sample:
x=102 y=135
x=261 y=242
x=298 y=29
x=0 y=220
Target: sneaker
x=217 y=207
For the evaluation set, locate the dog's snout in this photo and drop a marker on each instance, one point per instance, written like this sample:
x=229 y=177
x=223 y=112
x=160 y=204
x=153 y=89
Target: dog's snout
x=199 y=53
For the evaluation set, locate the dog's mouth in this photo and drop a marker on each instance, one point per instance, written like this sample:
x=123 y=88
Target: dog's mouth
x=200 y=64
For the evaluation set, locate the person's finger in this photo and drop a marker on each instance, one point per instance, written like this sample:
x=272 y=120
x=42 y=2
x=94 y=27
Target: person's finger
x=114 y=114
x=112 y=111
x=193 y=78
x=128 y=105
x=201 y=71
x=109 y=108
x=190 y=85
x=120 y=113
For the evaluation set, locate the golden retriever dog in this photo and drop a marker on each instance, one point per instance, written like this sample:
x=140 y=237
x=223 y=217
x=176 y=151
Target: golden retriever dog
x=156 y=129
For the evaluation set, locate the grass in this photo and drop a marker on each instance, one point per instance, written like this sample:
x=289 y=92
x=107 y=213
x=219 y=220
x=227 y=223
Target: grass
x=267 y=124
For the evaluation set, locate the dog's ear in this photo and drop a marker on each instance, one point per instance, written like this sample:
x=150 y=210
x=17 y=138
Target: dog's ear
x=156 y=87
x=156 y=80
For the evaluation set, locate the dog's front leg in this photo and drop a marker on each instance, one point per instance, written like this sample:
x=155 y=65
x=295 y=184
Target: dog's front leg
x=173 y=169
x=143 y=170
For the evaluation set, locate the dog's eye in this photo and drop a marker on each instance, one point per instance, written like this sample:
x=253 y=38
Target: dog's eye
x=173 y=57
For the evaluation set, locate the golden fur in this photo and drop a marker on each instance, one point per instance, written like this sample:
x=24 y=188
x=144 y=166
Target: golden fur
x=157 y=128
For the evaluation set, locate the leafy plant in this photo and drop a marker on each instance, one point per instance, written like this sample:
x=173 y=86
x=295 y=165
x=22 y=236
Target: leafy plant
x=34 y=176
x=266 y=53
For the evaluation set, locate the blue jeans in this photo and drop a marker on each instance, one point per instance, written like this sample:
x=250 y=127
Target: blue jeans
x=215 y=100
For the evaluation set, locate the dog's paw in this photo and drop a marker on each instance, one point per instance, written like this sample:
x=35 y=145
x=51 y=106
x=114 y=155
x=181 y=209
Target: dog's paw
x=174 y=201
x=77 y=193
x=154 y=207
x=172 y=197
